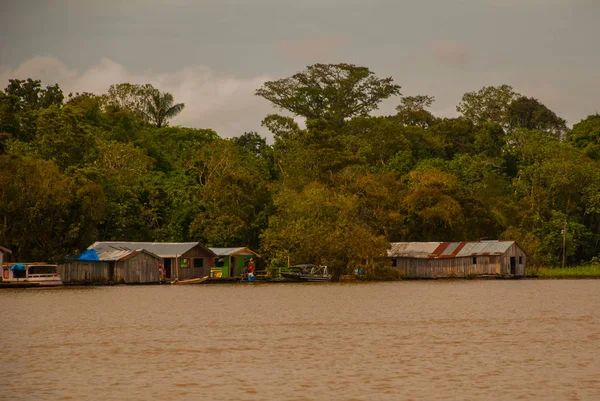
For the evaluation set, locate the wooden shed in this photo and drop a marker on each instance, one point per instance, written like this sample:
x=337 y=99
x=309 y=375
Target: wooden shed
x=116 y=266
x=181 y=260
x=458 y=259
x=229 y=262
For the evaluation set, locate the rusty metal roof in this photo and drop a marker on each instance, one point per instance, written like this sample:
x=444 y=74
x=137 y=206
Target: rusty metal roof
x=441 y=250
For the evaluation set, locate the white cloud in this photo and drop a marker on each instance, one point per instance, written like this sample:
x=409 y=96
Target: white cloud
x=224 y=103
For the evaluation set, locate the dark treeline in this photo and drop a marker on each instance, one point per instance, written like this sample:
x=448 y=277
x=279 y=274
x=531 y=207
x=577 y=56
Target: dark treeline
x=89 y=167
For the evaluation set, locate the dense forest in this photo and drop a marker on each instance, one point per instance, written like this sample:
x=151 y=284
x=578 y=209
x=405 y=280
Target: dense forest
x=336 y=190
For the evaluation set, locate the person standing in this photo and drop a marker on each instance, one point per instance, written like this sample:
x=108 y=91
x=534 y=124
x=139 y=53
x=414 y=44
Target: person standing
x=251 y=270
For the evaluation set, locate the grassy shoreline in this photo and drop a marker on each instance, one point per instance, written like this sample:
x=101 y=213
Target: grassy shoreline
x=585 y=271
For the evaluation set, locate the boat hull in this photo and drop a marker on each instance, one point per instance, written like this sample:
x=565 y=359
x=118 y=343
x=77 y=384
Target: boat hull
x=305 y=277
x=190 y=281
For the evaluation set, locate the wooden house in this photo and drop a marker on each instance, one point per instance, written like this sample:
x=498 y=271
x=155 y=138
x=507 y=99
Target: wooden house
x=181 y=260
x=229 y=262
x=458 y=259
x=112 y=266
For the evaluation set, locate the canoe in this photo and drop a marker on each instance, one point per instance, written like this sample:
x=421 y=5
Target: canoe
x=190 y=281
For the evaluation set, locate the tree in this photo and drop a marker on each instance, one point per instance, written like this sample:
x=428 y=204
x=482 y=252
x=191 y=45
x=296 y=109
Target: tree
x=20 y=104
x=332 y=92
x=322 y=226
x=529 y=113
x=31 y=94
x=160 y=108
x=489 y=104
x=231 y=192
x=412 y=110
x=44 y=214
x=586 y=135
x=132 y=97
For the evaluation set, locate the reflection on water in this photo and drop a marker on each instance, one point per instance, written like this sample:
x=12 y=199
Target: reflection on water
x=424 y=340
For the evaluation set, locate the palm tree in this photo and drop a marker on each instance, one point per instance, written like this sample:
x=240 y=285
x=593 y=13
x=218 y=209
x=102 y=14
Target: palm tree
x=160 y=108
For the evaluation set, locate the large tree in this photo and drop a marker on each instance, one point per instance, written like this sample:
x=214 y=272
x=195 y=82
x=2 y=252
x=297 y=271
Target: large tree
x=322 y=226
x=529 y=113
x=161 y=107
x=489 y=104
x=333 y=92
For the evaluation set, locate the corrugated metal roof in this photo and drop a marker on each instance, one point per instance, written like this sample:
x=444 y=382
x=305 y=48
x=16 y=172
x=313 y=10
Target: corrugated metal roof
x=438 y=250
x=162 y=249
x=231 y=251
x=413 y=249
x=113 y=255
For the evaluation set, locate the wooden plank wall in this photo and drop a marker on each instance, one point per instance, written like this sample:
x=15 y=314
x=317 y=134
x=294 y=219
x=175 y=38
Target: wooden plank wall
x=83 y=272
x=450 y=267
x=140 y=268
x=516 y=251
x=186 y=273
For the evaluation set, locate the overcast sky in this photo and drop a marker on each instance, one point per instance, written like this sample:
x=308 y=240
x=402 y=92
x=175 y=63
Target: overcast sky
x=213 y=54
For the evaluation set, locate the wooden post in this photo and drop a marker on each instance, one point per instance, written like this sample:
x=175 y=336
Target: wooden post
x=564 y=244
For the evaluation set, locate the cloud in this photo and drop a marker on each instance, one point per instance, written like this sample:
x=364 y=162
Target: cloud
x=450 y=52
x=224 y=103
x=312 y=49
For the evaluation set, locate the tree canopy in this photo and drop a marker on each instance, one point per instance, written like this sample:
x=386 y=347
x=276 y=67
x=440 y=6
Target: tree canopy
x=335 y=190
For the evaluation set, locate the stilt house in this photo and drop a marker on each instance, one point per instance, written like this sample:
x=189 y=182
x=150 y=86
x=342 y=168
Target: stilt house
x=230 y=261
x=181 y=260
x=458 y=259
x=112 y=266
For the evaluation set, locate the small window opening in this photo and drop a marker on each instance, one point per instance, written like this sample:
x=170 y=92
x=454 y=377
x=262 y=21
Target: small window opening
x=474 y=260
x=520 y=260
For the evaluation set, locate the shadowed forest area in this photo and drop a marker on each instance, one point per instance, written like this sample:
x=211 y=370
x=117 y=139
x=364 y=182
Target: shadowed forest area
x=336 y=190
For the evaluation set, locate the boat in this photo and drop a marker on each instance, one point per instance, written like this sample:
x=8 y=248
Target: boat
x=30 y=275
x=307 y=273
x=190 y=281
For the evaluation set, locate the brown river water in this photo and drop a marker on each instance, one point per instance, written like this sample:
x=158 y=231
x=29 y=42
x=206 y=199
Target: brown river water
x=417 y=340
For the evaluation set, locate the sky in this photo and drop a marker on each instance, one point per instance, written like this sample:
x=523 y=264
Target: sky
x=213 y=54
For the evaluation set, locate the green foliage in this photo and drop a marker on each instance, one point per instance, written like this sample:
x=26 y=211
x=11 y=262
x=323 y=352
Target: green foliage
x=529 y=113
x=332 y=92
x=322 y=226
x=334 y=191
x=45 y=215
x=488 y=105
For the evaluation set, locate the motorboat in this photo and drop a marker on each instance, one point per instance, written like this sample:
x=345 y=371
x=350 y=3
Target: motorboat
x=307 y=273
x=30 y=275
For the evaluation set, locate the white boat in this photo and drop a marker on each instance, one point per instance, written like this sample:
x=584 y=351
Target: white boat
x=30 y=275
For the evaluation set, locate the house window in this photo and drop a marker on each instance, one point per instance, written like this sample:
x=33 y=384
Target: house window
x=198 y=262
x=394 y=262
x=520 y=260
x=474 y=260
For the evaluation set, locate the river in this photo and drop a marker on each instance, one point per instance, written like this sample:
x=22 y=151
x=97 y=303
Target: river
x=414 y=340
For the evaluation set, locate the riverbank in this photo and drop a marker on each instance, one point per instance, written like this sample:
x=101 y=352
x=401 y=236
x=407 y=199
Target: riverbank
x=586 y=271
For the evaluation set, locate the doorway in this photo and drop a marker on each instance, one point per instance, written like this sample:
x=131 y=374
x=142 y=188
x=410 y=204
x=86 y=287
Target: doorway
x=111 y=271
x=232 y=266
x=513 y=265
x=167 y=267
